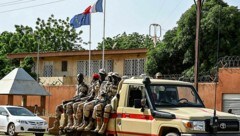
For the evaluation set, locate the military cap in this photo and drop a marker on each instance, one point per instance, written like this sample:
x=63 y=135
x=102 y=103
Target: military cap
x=102 y=71
x=96 y=76
x=110 y=73
x=158 y=74
x=115 y=74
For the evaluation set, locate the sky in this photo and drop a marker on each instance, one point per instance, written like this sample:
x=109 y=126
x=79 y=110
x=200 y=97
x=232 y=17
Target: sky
x=121 y=15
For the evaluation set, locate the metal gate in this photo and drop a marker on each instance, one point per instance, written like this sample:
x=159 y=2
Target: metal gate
x=231 y=101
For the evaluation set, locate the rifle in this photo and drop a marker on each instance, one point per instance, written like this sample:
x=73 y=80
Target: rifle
x=67 y=101
x=74 y=99
x=78 y=99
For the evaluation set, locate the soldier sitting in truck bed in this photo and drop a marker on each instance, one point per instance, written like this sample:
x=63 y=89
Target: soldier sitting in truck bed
x=77 y=110
x=82 y=90
x=104 y=105
x=88 y=107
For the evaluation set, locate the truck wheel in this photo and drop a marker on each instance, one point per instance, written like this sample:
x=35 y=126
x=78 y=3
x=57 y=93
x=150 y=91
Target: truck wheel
x=172 y=134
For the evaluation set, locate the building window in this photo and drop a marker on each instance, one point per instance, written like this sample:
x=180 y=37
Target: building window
x=83 y=66
x=48 y=69
x=134 y=67
x=64 y=66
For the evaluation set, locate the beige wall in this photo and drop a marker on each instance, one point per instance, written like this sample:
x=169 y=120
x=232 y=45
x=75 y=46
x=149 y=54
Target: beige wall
x=71 y=74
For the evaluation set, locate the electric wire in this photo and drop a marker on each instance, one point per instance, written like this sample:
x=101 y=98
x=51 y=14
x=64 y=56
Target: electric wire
x=160 y=8
x=5 y=3
x=172 y=11
x=16 y=3
x=27 y=7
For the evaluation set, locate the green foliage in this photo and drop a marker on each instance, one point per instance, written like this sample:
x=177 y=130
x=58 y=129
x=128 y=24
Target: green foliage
x=125 y=41
x=178 y=56
x=51 y=35
x=153 y=59
x=5 y=66
x=56 y=35
x=27 y=64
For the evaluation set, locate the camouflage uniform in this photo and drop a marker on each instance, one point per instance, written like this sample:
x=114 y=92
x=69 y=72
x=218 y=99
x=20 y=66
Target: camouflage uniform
x=58 y=111
x=65 y=108
x=94 y=89
x=81 y=93
x=88 y=107
x=109 y=91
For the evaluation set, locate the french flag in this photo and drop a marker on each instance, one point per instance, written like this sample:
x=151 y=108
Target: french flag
x=97 y=7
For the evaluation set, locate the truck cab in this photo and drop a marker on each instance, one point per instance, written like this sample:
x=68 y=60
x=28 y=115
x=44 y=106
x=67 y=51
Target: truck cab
x=156 y=107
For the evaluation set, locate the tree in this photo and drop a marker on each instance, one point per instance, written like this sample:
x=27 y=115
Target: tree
x=179 y=42
x=27 y=64
x=51 y=35
x=125 y=41
x=5 y=66
x=57 y=35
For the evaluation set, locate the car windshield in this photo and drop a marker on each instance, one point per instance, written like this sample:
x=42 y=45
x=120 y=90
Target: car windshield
x=19 y=111
x=175 y=96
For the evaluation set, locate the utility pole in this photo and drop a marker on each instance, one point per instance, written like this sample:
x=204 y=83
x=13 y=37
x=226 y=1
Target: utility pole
x=196 y=66
x=154 y=36
x=38 y=62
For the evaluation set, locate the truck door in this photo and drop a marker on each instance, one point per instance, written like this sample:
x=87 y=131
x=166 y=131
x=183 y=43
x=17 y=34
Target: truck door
x=133 y=120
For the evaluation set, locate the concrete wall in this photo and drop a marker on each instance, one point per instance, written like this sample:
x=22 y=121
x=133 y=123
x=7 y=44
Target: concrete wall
x=206 y=92
x=229 y=83
x=58 y=94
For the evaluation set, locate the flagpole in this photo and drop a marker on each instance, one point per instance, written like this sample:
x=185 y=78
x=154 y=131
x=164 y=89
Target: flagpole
x=89 y=61
x=103 y=49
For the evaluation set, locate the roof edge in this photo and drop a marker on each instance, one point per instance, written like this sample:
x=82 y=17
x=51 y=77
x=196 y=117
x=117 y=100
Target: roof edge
x=76 y=53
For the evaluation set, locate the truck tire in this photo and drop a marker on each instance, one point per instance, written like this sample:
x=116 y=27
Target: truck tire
x=172 y=134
